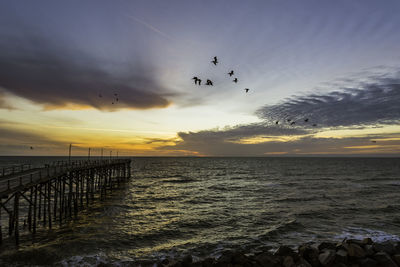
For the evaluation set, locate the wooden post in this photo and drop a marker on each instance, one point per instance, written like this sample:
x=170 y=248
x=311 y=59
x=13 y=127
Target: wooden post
x=34 y=214
x=16 y=209
x=49 y=202
x=30 y=210
x=1 y=232
x=44 y=205
x=40 y=201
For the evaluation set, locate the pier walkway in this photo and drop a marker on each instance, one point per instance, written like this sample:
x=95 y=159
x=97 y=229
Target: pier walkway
x=39 y=197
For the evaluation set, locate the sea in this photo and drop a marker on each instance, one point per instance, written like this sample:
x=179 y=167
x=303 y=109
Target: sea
x=202 y=206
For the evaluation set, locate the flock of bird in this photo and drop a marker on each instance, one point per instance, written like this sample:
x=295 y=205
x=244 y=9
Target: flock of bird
x=115 y=99
x=197 y=80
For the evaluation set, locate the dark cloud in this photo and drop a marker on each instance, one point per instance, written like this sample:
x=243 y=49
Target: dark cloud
x=370 y=103
x=55 y=76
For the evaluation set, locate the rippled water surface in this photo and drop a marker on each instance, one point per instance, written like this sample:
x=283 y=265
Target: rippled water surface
x=175 y=206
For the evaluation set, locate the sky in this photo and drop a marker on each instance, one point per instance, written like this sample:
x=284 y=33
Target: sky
x=331 y=67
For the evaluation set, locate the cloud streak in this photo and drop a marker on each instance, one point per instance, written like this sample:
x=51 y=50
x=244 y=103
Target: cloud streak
x=370 y=103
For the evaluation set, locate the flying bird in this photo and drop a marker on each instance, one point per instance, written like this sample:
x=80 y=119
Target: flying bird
x=276 y=122
x=116 y=99
x=195 y=79
x=235 y=80
x=246 y=89
x=31 y=147
x=215 y=61
x=306 y=120
x=373 y=141
x=292 y=123
x=209 y=82
x=230 y=73
x=289 y=120
x=199 y=80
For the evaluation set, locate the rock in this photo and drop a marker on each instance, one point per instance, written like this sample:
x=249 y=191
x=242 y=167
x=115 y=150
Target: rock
x=327 y=257
x=326 y=245
x=240 y=259
x=303 y=263
x=387 y=247
x=310 y=254
x=341 y=256
x=267 y=259
x=284 y=251
x=187 y=260
x=396 y=259
x=367 y=241
x=397 y=248
x=368 y=262
x=369 y=250
x=208 y=262
x=164 y=262
x=226 y=257
x=288 y=262
x=355 y=241
x=384 y=259
x=340 y=264
x=356 y=251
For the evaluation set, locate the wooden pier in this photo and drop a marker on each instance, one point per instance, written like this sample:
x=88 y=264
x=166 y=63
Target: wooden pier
x=41 y=197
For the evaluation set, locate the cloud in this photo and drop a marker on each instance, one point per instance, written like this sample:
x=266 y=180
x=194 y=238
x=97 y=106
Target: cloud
x=372 y=102
x=50 y=74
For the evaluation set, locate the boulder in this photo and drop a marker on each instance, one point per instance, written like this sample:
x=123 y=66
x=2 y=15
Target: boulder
x=369 y=250
x=187 y=260
x=356 y=251
x=341 y=256
x=326 y=245
x=327 y=257
x=240 y=259
x=368 y=262
x=284 y=251
x=310 y=254
x=288 y=262
x=396 y=259
x=384 y=259
x=267 y=259
x=303 y=263
x=208 y=262
x=367 y=241
x=387 y=247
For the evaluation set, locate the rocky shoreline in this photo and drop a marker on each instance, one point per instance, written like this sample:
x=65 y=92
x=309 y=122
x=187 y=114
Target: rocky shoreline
x=350 y=252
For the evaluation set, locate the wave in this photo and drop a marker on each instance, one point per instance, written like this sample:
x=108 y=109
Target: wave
x=360 y=233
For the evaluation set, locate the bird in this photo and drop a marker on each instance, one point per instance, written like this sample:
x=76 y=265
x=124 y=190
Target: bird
x=235 y=80
x=289 y=120
x=112 y=103
x=215 y=61
x=199 y=80
x=195 y=79
x=306 y=120
x=209 y=82
x=373 y=141
x=31 y=147
x=246 y=89
x=292 y=123
x=276 y=122
x=230 y=73
x=116 y=99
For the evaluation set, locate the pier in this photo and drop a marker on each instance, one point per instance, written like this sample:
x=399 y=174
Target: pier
x=42 y=197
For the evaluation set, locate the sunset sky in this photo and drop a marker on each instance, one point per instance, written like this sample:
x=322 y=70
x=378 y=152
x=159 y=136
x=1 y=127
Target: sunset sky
x=336 y=63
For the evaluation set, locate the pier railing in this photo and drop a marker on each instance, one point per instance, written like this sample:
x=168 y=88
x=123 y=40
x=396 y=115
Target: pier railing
x=15 y=169
x=56 y=192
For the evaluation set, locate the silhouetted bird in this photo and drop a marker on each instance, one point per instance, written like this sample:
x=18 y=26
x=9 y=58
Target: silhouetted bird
x=116 y=99
x=195 y=79
x=289 y=120
x=246 y=89
x=373 y=141
x=235 y=80
x=276 y=122
x=112 y=103
x=215 y=61
x=31 y=147
x=209 y=82
x=199 y=80
x=293 y=122
x=306 y=120
x=230 y=73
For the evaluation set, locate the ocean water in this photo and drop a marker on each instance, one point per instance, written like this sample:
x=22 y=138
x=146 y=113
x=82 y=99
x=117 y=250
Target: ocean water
x=202 y=206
